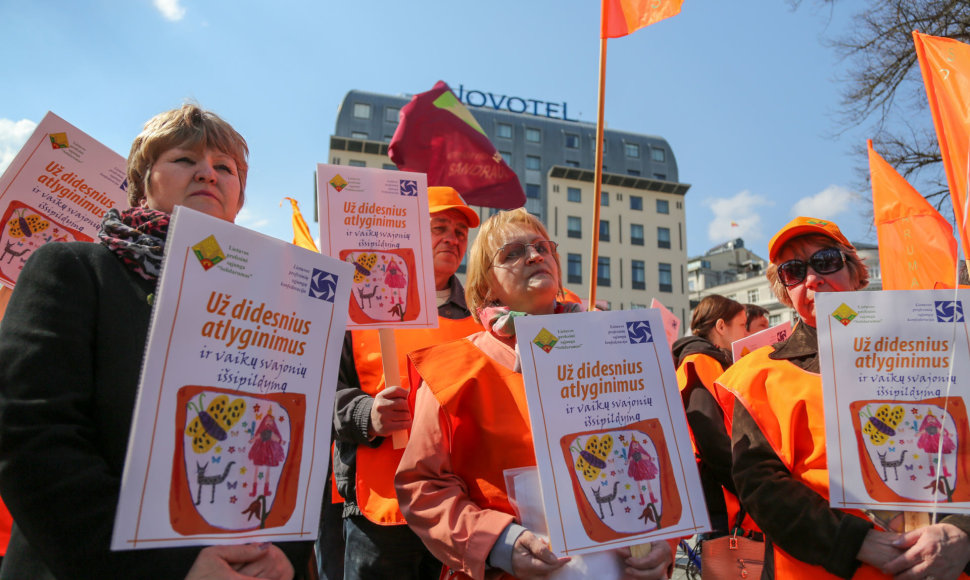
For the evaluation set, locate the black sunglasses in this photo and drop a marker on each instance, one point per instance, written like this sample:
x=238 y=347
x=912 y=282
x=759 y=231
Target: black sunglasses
x=827 y=261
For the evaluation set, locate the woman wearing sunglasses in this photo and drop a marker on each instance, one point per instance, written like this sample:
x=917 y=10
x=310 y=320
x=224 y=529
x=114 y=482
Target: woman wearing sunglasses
x=471 y=422
x=778 y=437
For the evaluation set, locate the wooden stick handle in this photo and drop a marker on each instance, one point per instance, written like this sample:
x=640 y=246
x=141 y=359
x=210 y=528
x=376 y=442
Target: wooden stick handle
x=392 y=377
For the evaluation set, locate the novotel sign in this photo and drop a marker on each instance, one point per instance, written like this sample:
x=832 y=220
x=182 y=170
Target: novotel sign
x=487 y=100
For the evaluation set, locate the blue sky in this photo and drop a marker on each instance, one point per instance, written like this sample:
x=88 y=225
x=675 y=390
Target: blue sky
x=746 y=93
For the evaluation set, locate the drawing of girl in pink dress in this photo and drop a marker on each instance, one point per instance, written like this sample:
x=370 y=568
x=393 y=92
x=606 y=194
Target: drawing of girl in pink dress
x=642 y=467
x=265 y=450
x=929 y=441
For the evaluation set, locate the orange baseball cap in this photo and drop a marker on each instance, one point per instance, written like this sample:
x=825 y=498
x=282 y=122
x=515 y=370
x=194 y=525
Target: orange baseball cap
x=801 y=226
x=441 y=198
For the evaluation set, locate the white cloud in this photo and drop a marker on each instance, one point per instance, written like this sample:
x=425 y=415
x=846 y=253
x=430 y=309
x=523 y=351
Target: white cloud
x=170 y=9
x=247 y=218
x=13 y=135
x=829 y=203
x=736 y=217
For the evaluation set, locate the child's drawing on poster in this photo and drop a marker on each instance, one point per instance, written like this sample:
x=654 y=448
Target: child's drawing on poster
x=384 y=286
x=910 y=450
x=622 y=480
x=23 y=229
x=232 y=467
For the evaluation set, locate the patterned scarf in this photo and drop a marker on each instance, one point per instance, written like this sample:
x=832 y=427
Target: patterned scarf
x=500 y=320
x=137 y=236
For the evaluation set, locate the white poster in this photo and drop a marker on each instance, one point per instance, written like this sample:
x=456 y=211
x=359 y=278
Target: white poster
x=378 y=220
x=611 y=440
x=671 y=322
x=778 y=333
x=57 y=189
x=231 y=436
x=894 y=374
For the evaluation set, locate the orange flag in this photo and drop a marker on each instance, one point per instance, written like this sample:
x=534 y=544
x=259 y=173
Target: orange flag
x=622 y=17
x=301 y=232
x=946 y=72
x=916 y=244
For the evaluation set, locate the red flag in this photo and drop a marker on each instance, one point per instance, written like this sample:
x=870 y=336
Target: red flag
x=437 y=135
x=945 y=64
x=622 y=17
x=916 y=244
x=301 y=232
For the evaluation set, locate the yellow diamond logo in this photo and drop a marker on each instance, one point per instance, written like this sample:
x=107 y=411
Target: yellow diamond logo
x=338 y=183
x=844 y=314
x=545 y=340
x=208 y=252
x=59 y=141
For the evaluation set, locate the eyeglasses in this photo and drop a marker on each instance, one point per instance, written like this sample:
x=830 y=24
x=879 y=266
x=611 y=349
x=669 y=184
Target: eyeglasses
x=512 y=254
x=826 y=261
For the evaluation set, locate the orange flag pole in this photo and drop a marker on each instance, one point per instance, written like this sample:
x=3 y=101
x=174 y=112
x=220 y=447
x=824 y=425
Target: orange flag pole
x=598 y=167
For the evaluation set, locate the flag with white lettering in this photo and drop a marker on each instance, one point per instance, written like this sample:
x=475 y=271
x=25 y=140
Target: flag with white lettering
x=438 y=135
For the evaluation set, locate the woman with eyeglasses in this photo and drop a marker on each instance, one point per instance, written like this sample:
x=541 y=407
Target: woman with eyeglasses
x=779 y=464
x=471 y=422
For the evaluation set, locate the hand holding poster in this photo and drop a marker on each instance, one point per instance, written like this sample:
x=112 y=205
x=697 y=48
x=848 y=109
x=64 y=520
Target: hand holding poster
x=57 y=189
x=378 y=221
x=231 y=435
x=610 y=434
x=893 y=368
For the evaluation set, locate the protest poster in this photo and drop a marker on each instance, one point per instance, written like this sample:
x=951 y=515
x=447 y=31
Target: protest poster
x=230 y=439
x=671 y=322
x=777 y=333
x=57 y=189
x=894 y=370
x=378 y=221
x=611 y=441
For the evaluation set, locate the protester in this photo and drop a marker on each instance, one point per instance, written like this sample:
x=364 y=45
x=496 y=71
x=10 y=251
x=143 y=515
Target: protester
x=471 y=423
x=700 y=359
x=72 y=343
x=779 y=454
x=378 y=542
x=757 y=318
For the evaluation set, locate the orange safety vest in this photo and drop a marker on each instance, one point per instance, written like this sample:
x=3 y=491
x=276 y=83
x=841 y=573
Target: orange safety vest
x=786 y=403
x=376 y=465
x=489 y=416
x=708 y=370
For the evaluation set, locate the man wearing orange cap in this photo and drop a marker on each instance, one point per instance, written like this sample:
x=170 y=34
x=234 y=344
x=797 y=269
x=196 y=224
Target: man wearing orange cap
x=379 y=543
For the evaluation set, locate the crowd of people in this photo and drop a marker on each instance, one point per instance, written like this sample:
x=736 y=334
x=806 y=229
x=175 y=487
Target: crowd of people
x=74 y=334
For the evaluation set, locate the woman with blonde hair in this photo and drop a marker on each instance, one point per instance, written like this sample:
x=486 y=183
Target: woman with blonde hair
x=471 y=422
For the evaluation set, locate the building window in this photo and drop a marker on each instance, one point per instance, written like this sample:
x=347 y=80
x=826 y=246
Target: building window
x=636 y=234
x=636 y=202
x=665 y=278
x=574 y=227
x=572 y=141
x=658 y=155
x=391 y=113
x=358 y=135
x=387 y=138
x=604 y=230
x=356 y=163
x=638 y=274
x=633 y=172
x=389 y=166
x=663 y=206
x=753 y=296
x=533 y=162
x=603 y=271
x=774 y=319
x=361 y=111
x=506 y=156
x=574 y=268
x=571 y=163
x=503 y=130
x=533 y=135
x=531 y=191
x=604 y=198
x=632 y=150
x=660 y=176
x=574 y=194
x=663 y=237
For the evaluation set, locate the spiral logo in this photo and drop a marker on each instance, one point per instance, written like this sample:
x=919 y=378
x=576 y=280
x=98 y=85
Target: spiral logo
x=949 y=311
x=323 y=285
x=639 y=332
x=409 y=188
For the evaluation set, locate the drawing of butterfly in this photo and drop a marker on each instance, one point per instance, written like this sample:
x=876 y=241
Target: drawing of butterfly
x=210 y=425
x=909 y=467
x=217 y=459
x=883 y=424
x=232 y=484
x=593 y=459
x=21 y=226
x=363 y=265
x=623 y=499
